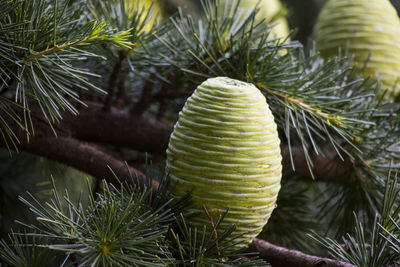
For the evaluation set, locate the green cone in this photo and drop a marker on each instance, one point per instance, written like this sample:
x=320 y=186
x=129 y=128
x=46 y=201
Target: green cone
x=225 y=147
x=271 y=11
x=157 y=11
x=366 y=28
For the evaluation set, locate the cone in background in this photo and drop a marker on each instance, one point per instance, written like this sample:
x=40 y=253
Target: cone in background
x=225 y=146
x=157 y=10
x=367 y=29
x=271 y=11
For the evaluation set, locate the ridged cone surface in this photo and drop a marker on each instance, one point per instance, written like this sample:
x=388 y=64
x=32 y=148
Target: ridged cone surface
x=366 y=28
x=268 y=11
x=225 y=147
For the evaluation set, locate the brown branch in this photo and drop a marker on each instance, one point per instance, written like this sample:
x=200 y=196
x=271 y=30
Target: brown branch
x=173 y=94
x=328 y=168
x=89 y=158
x=113 y=80
x=283 y=257
x=119 y=128
x=56 y=48
x=66 y=148
x=356 y=172
x=146 y=98
x=60 y=47
x=166 y=94
x=121 y=93
x=162 y=108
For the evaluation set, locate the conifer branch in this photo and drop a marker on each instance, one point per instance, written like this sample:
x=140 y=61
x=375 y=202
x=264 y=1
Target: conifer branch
x=328 y=168
x=280 y=256
x=120 y=128
x=96 y=35
x=297 y=102
x=146 y=98
x=113 y=80
x=87 y=157
x=368 y=245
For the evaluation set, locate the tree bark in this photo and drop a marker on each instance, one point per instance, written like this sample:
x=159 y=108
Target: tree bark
x=328 y=168
x=89 y=158
x=79 y=134
x=283 y=257
x=72 y=141
x=118 y=128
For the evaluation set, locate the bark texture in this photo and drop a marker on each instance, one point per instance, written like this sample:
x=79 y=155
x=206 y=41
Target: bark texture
x=283 y=257
x=80 y=142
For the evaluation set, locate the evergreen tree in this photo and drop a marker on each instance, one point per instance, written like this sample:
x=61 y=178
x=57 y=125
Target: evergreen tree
x=89 y=93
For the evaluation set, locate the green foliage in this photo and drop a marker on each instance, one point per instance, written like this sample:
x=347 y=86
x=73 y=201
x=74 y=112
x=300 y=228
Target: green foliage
x=25 y=251
x=123 y=16
x=26 y=172
x=294 y=207
x=362 y=186
x=371 y=248
x=199 y=247
x=41 y=41
x=118 y=227
x=125 y=225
